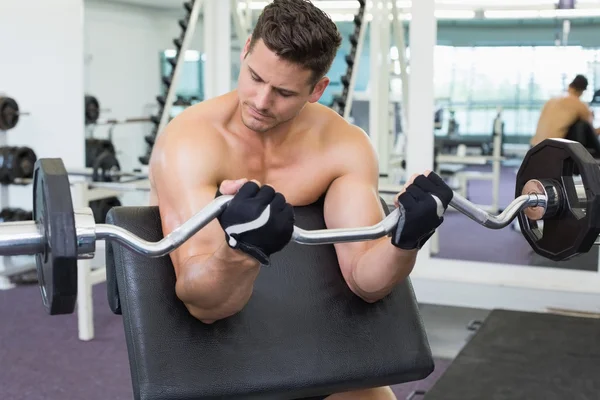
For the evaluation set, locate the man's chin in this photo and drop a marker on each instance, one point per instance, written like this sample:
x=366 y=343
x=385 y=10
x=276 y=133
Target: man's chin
x=256 y=126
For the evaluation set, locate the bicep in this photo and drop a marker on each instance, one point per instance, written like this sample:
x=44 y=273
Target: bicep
x=352 y=201
x=184 y=183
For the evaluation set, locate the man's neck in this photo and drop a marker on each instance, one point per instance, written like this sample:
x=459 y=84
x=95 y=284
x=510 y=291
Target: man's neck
x=270 y=139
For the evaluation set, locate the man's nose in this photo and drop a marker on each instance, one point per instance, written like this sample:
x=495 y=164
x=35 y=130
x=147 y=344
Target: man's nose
x=263 y=99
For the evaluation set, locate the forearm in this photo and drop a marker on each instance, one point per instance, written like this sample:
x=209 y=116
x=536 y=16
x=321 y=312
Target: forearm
x=219 y=286
x=380 y=268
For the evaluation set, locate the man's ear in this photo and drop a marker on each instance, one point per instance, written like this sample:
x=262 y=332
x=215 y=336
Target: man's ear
x=318 y=90
x=246 y=48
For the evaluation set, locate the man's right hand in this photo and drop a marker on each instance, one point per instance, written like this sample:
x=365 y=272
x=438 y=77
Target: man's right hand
x=257 y=221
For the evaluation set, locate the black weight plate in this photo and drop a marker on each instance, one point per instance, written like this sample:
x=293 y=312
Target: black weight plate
x=9 y=172
x=55 y=219
x=5 y=175
x=149 y=140
x=20 y=163
x=95 y=147
x=21 y=215
x=92 y=110
x=27 y=216
x=6 y=215
x=104 y=166
x=17 y=214
x=575 y=228
x=26 y=159
x=144 y=160
x=9 y=113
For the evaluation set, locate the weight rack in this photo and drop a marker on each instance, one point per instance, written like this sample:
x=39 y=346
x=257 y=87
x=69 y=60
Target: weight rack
x=182 y=43
x=90 y=271
x=342 y=104
x=11 y=265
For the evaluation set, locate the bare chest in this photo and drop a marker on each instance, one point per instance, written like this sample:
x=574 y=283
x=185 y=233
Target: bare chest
x=301 y=178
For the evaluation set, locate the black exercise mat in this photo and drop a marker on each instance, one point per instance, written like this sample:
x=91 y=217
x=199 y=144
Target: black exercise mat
x=526 y=356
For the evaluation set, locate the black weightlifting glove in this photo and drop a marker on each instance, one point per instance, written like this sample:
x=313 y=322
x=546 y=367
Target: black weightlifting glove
x=258 y=221
x=422 y=212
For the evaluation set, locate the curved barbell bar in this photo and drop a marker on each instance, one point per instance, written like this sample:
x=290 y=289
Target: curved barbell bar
x=24 y=238
x=309 y=237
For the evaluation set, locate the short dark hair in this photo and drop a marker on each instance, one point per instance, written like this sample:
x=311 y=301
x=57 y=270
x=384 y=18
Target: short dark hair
x=579 y=83
x=299 y=32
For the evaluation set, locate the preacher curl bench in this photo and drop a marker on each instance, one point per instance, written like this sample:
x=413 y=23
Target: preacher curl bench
x=302 y=334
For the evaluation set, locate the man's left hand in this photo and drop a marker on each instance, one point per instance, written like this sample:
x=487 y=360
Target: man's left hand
x=425 y=199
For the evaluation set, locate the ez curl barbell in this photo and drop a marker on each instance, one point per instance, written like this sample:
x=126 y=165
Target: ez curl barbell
x=58 y=235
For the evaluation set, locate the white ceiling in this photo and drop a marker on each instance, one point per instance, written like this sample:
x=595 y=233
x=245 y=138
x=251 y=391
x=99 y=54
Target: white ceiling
x=441 y=4
x=168 y=4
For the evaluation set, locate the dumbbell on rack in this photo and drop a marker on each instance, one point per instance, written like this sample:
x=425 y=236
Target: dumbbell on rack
x=16 y=163
x=15 y=214
x=9 y=113
x=16 y=167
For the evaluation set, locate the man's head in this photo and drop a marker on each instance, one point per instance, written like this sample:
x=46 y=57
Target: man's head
x=284 y=62
x=578 y=85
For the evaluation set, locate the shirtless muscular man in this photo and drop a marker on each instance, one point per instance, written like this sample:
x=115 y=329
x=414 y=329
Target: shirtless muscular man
x=559 y=113
x=274 y=146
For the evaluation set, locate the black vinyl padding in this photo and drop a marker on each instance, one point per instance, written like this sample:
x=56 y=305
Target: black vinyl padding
x=583 y=132
x=303 y=333
x=526 y=356
x=112 y=290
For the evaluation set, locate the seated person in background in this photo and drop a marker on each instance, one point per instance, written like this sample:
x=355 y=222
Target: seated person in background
x=270 y=143
x=559 y=113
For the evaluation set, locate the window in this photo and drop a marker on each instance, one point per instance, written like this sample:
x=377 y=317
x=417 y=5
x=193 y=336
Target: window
x=475 y=82
x=190 y=84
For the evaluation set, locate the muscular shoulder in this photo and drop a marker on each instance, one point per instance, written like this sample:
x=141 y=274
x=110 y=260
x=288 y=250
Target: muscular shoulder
x=575 y=107
x=567 y=101
x=347 y=145
x=190 y=142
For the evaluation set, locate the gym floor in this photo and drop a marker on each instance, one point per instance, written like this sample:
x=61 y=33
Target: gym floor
x=42 y=358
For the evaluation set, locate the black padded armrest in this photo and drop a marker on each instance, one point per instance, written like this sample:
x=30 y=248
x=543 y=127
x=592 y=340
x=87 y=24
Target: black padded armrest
x=112 y=290
x=584 y=133
x=303 y=332
x=111 y=280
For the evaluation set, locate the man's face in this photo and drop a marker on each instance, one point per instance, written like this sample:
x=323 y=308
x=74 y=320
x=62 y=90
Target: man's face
x=271 y=90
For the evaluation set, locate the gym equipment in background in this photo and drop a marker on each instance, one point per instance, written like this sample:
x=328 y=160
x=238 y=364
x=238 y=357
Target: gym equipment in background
x=9 y=113
x=342 y=103
x=182 y=43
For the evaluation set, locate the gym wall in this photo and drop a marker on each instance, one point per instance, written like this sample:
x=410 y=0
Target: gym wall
x=42 y=68
x=526 y=32
x=122 y=69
